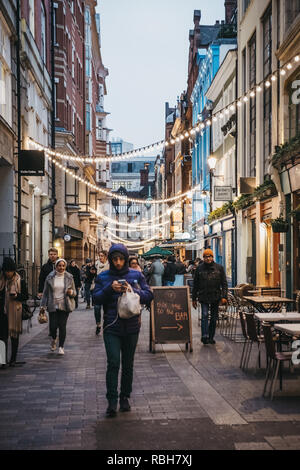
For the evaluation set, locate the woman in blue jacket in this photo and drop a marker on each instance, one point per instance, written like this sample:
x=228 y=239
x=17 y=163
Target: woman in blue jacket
x=120 y=335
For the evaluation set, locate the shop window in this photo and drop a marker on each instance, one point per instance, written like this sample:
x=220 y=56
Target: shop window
x=71 y=192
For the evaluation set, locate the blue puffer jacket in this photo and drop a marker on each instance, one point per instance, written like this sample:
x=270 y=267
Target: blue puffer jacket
x=104 y=294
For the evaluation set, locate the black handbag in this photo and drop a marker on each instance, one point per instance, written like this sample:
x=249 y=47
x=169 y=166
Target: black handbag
x=27 y=314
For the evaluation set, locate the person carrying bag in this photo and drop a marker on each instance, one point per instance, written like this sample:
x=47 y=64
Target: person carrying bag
x=121 y=291
x=59 y=299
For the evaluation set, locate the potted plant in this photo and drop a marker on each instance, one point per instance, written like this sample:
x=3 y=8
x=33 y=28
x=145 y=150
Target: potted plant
x=244 y=201
x=296 y=213
x=280 y=225
x=265 y=190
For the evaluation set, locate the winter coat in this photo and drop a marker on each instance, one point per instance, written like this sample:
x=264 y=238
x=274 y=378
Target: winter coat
x=104 y=294
x=170 y=272
x=48 y=293
x=90 y=276
x=181 y=269
x=155 y=273
x=75 y=271
x=210 y=283
x=45 y=271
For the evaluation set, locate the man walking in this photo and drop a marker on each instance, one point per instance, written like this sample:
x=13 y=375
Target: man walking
x=90 y=275
x=210 y=288
x=120 y=335
x=47 y=269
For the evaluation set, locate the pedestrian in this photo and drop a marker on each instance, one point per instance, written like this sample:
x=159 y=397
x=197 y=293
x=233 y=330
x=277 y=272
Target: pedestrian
x=75 y=271
x=13 y=291
x=156 y=272
x=180 y=272
x=90 y=275
x=170 y=272
x=58 y=297
x=102 y=265
x=120 y=335
x=47 y=269
x=146 y=271
x=209 y=288
x=134 y=263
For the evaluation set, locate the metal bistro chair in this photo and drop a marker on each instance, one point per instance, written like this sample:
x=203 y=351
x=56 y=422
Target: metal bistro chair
x=246 y=339
x=254 y=337
x=274 y=359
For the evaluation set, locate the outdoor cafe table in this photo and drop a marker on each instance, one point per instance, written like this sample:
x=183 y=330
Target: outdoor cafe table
x=273 y=317
x=290 y=329
x=266 y=303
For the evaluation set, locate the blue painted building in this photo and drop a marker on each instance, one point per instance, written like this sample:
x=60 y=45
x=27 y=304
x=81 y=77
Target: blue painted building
x=209 y=61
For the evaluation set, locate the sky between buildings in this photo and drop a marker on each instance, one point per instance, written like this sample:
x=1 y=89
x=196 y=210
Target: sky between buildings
x=145 y=46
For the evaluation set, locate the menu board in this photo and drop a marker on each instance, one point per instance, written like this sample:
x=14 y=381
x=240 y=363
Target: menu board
x=171 y=316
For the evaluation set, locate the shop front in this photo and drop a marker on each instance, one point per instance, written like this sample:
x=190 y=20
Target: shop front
x=221 y=239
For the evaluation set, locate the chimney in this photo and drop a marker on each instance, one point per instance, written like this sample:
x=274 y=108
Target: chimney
x=197 y=17
x=145 y=175
x=230 y=6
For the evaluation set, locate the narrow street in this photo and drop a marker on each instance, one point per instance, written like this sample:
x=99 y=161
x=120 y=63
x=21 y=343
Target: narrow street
x=180 y=401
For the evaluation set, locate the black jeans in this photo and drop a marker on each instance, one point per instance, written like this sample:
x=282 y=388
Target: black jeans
x=58 y=320
x=119 y=348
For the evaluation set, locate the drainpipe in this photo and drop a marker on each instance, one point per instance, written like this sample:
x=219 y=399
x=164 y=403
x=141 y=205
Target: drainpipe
x=19 y=130
x=53 y=192
x=234 y=281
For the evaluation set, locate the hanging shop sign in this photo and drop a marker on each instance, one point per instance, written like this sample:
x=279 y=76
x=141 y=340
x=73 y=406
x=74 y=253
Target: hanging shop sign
x=31 y=163
x=223 y=193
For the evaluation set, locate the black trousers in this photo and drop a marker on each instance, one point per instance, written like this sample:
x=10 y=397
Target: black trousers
x=4 y=338
x=58 y=320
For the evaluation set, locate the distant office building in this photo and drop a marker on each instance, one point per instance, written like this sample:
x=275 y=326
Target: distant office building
x=119 y=146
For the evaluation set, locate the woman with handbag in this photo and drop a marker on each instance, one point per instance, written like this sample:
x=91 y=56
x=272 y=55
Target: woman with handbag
x=59 y=299
x=120 y=334
x=13 y=291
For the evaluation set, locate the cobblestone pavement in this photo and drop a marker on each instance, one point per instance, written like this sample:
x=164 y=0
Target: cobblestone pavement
x=180 y=400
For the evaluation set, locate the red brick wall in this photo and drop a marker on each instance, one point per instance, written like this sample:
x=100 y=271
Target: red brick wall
x=70 y=31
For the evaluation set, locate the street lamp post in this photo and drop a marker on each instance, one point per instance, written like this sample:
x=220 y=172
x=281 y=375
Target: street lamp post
x=211 y=161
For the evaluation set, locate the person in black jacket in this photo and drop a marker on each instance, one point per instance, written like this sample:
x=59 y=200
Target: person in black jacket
x=75 y=271
x=170 y=272
x=13 y=292
x=90 y=273
x=47 y=269
x=209 y=288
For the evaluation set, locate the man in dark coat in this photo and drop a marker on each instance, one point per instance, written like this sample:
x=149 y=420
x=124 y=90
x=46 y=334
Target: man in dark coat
x=90 y=272
x=75 y=271
x=120 y=335
x=170 y=272
x=47 y=269
x=209 y=288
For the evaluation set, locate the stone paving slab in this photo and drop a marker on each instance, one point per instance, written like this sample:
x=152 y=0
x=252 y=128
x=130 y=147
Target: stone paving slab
x=54 y=402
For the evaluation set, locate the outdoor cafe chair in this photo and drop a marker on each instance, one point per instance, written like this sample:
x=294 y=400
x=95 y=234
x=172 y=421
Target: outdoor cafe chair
x=246 y=339
x=274 y=359
x=254 y=337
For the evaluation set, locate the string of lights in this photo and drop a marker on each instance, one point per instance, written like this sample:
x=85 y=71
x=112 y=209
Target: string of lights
x=200 y=126
x=120 y=197
x=135 y=227
x=128 y=242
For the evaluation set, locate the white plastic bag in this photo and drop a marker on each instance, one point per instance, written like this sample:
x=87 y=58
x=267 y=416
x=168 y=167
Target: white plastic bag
x=129 y=304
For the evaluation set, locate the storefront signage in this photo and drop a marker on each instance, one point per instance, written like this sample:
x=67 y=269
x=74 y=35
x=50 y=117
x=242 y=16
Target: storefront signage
x=223 y=193
x=31 y=163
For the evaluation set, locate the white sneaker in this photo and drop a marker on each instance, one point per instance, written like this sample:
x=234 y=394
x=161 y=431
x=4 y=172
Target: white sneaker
x=61 y=351
x=53 y=344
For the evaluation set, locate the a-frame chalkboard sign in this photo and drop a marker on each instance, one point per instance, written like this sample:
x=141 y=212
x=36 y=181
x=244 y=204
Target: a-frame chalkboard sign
x=170 y=320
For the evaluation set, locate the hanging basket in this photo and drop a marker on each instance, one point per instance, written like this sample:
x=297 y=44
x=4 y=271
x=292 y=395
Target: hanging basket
x=280 y=226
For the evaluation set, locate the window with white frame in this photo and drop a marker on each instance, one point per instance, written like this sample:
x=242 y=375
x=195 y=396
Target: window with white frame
x=31 y=17
x=5 y=75
x=43 y=33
